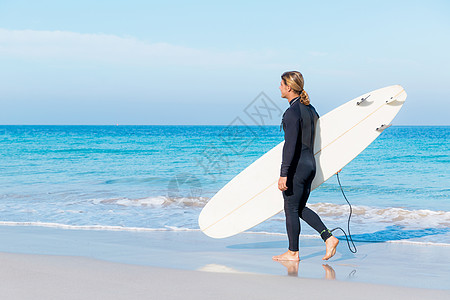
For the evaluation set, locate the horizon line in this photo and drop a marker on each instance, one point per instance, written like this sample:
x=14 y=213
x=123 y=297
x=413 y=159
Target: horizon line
x=186 y=125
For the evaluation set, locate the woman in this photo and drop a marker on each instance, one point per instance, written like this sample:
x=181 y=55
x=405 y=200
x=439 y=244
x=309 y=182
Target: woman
x=298 y=167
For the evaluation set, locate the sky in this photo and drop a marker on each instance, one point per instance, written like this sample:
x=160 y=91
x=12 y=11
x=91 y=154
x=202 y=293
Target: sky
x=203 y=62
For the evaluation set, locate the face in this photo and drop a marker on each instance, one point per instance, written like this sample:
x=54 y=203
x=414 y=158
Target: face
x=284 y=89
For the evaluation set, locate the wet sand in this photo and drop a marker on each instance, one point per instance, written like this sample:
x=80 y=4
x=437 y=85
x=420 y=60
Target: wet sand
x=53 y=263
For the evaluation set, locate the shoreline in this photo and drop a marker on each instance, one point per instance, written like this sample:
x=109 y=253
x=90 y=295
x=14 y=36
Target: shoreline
x=111 y=228
x=392 y=264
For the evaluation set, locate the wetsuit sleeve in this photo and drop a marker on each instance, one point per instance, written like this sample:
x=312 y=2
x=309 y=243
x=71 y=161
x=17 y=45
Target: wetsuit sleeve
x=291 y=131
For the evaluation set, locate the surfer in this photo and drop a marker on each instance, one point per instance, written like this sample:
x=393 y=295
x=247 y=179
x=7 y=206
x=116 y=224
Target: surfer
x=298 y=166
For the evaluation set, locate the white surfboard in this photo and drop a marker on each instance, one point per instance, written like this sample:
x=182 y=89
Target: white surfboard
x=253 y=195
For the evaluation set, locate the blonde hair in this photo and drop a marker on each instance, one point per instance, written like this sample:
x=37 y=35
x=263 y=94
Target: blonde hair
x=294 y=80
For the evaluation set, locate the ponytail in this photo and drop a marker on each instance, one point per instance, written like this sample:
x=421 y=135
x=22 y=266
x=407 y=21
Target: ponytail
x=304 y=97
x=294 y=80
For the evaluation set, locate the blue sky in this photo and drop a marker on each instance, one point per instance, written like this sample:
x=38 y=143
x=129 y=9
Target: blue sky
x=203 y=62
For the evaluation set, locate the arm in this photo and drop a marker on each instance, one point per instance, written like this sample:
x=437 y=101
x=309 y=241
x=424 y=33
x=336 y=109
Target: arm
x=291 y=131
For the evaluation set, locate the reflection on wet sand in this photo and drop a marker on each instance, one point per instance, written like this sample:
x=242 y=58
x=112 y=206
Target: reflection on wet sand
x=329 y=272
x=291 y=266
x=292 y=269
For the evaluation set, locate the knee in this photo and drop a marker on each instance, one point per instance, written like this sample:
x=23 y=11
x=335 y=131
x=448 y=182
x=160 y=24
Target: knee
x=303 y=212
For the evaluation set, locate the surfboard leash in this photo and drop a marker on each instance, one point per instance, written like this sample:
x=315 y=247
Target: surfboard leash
x=349 y=237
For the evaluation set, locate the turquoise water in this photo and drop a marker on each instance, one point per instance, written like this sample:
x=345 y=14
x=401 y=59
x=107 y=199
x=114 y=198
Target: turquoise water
x=159 y=177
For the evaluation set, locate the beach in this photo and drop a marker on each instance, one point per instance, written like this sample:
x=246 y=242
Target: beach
x=44 y=277
x=111 y=212
x=50 y=263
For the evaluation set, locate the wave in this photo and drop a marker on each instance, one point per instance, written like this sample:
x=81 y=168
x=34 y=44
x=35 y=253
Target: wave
x=387 y=236
x=94 y=227
x=393 y=215
x=154 y=201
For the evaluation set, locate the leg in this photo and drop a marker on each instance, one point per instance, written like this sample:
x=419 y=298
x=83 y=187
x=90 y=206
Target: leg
x=310 y=217
x=315 y=222
x=291 y=205
x=292 y=199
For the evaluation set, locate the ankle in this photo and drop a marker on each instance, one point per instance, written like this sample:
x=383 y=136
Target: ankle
x=325 y=234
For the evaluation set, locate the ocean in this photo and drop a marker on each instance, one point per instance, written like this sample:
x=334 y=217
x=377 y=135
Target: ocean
x=154 y=178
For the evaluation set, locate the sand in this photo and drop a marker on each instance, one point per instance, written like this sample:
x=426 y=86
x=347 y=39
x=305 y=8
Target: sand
x=65 y=277
x=52 y=263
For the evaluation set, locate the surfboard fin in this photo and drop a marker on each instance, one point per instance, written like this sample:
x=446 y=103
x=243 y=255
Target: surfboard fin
x=392 y=99
x=362 y=100
x=383 y=127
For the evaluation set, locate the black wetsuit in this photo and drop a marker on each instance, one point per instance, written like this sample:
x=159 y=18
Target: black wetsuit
x=299 y=166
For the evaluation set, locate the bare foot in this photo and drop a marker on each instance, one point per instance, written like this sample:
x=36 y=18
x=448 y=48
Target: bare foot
x=289 y=255
x=291 y=266
x=331 y=244
x=329 y=272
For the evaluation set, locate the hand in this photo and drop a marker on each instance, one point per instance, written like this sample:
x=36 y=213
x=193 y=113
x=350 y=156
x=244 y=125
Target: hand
x=338 y=171
x=282 y=184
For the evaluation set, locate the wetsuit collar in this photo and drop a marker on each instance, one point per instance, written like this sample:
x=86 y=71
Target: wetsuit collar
x=294 y=100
